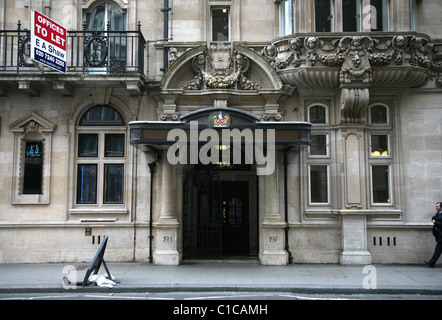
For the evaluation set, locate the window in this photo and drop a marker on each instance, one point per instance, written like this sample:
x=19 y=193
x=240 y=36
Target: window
x=105 y=13
x=101 y=157
x=319 y=145
x=319 y=158
x=378 y=114
x=351 y=15
x=379 y=15
x=317 y=114
x=87 y=184
x=380 y=155
x=318 y=184
x=380 y=179
x=33 y=168
x=380 y=145
x=104 y=17
x=324 y=15
x=220 y=24
x=32 y=153
x=286 y=17
x=414 y=14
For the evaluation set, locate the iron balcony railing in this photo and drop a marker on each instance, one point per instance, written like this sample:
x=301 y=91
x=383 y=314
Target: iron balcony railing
x=88 y=52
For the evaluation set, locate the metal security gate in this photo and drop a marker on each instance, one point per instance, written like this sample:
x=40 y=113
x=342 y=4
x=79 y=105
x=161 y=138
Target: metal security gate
x=202 y=218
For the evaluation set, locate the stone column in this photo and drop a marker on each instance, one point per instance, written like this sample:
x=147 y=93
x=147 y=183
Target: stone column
x=166 y=243
x=272 y=235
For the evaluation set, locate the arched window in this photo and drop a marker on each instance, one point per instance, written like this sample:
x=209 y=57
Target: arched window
x=379 y=114
x=101 y=157
x=102 y=115
x=104 y=14
x=317 y=114
x=107 y=48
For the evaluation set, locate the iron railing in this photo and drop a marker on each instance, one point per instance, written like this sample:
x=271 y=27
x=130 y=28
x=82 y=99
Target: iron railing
x=88 y=52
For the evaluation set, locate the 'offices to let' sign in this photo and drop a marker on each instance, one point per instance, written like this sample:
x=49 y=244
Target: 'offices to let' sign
x=48 y=42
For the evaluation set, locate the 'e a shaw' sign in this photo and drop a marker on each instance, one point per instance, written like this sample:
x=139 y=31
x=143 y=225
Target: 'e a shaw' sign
x=48 y=42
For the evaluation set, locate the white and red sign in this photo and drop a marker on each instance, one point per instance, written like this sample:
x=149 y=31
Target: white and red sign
x=48 y=42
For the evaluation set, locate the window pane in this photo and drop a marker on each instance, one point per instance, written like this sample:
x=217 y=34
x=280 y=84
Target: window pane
x=88 y=145
x=380 y=181
x=286 y=17
x=317 y=114
x=107 y=12
x=318 y=145
x=87 y=184
x=318 y=184
x=379 y=145
x=102 y=116
x=33 y=169
x=220 y=24
x=323 y=15
x=349 y=15
x=96 y=20
x=113 y=183
x=114 y=145
x=378 y=114
x=379 y=15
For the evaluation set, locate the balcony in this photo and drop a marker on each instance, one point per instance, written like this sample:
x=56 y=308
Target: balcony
x=375 y=60
x=97 y=57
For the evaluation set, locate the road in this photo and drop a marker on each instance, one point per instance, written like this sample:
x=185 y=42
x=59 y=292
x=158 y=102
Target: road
x=209 y=296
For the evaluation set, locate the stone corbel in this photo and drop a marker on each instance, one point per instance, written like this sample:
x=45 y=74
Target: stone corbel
x=271 y=108
x=354 y=102
x=168 y=116
x=271 y=116
x=168 y=110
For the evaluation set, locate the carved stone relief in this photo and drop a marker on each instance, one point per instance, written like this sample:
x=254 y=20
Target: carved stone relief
x=221 y=67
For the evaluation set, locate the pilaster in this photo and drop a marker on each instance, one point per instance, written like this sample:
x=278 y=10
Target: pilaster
x=167 y=251
x=354 y=237
x=272 y=250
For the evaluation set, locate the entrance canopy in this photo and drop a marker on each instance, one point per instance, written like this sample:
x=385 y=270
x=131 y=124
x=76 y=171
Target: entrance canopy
x=153 y=135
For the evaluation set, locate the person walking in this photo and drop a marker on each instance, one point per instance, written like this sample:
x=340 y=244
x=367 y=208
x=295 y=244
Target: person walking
x=437 y=232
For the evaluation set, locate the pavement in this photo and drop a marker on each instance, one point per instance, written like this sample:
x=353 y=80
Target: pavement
x=228 y=276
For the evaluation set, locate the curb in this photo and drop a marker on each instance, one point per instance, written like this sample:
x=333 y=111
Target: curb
x=186 y=288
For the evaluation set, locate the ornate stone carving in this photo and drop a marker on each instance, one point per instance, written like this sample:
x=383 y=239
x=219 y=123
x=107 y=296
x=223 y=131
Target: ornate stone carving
x=354 y=102
x=271 y=115
x=221 y=67
x=356 y=65
x=379 y=60
x=167 y=116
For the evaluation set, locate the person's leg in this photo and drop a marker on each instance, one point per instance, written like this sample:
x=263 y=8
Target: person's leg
x=436 y=255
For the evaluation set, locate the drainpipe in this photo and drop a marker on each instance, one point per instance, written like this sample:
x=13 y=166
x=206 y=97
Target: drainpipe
x=152 y=172
x=165 y=10
x=286 y=210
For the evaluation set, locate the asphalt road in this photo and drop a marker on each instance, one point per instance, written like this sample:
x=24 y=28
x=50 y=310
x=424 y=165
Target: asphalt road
x=210 y=296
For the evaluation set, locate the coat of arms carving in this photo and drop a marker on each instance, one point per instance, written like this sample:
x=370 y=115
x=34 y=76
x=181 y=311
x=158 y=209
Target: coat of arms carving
x=221 y=67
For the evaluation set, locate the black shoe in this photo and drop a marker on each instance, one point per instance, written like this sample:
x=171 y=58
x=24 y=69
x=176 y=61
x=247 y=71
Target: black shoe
x=431 y=265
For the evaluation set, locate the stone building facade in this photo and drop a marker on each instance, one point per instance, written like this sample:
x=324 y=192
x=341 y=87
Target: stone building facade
x=351 y=91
